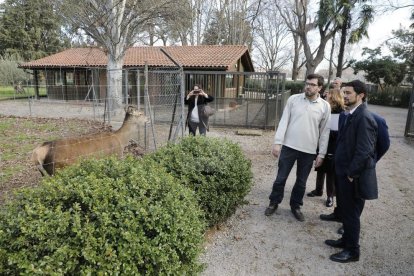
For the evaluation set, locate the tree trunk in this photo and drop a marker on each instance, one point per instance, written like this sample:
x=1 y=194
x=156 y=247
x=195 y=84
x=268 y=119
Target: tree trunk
x=344 y=33
x=330 y=60
x=114 y=90
x=295 y=69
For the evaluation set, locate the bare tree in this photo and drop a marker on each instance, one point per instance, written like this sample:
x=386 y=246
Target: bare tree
x=289 y=12
x=114 y=25
x=272 y=40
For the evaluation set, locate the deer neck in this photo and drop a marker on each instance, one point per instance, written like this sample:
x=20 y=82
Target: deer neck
x=126 y=132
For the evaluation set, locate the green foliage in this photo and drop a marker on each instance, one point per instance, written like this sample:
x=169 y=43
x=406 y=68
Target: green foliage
x=103 y=217
x=31 y=29
x=380 y=69
x=295 y=87
x=9 y=73
x=391 y=96
x=216 y=169
x=402 y=47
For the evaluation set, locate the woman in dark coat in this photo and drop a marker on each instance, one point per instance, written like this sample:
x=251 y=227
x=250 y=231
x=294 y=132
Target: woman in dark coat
x=196 y=101
x=336 y=100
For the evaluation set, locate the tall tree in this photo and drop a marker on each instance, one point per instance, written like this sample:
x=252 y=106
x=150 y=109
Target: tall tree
x=31 y=29
x=384 y=71
x=114 y=25
x=291 y=12
x=356 y=28
x=402 y=46
x=272 y=40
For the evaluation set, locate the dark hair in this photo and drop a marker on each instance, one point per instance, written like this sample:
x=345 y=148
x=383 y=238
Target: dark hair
x=316 y=76
x=359 y=87
x=199 y=85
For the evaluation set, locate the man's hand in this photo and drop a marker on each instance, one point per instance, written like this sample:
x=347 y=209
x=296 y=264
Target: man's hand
x=318 y=162
x=350 y=179
x=276 y=150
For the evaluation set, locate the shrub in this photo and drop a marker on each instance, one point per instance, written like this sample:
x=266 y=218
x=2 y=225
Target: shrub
x=295 y=87
x=216 y=169
x=103 y=217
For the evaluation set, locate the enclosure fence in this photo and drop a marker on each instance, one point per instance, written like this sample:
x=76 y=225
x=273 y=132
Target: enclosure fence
x=409 y=128
x=241 y=99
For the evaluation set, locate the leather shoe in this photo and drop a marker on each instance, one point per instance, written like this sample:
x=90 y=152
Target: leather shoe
x=330 y=217
x=340 y=230
x=345 y=256
x=329 y=201
x=271 y=209
x=335 y=243
x=298 y=214
x=314 y=193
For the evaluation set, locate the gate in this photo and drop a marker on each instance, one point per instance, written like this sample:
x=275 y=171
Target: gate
x=409 y=127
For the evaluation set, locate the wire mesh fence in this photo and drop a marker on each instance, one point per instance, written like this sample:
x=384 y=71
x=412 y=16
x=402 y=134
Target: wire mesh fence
x=252 y=100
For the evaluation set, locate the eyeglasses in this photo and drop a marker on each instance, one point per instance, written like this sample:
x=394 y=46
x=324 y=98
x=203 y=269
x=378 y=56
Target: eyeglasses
x=311 y=84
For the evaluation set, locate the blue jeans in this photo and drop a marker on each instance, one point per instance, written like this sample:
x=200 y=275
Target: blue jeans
x=287 y=159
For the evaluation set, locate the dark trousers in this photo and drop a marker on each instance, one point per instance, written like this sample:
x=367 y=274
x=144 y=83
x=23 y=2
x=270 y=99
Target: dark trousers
x=330 y=181
x=192 y=127
x=350 y=208
x=287 y=159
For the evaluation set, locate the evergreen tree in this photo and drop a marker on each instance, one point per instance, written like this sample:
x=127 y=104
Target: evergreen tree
x=31 y=29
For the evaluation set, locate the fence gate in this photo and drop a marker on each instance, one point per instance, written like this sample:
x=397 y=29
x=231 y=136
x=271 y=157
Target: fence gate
x=409 y=128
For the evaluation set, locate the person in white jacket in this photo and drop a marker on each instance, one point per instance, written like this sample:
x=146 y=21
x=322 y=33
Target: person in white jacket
x=302 y=130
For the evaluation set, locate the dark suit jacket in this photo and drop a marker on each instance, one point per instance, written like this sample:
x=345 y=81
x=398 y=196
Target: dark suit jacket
x=383 y=138
x=355 y=152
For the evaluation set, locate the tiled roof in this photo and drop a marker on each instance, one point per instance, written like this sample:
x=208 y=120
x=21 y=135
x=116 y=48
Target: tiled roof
x=203 y=56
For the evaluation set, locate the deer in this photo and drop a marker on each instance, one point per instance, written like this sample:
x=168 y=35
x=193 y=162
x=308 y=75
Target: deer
x=57 y=154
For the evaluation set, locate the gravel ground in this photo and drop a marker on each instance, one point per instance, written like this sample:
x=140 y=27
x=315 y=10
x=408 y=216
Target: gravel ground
x=250 y=243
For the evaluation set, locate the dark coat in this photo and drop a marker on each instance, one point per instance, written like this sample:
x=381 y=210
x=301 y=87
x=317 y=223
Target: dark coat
x=200 y=102
x=355 y=154
x=383 y=138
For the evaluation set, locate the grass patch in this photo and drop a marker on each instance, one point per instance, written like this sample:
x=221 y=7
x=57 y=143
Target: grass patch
x=7 y=92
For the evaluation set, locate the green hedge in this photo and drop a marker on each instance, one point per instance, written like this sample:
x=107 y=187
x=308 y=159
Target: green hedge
x=216 y=169
x=391 y=96
x=103 y=217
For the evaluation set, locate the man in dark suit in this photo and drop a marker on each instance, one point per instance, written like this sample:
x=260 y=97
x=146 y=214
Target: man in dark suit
x=355 y=159
x=382 y=146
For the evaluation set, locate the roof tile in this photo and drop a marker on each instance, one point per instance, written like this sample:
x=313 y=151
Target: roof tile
x=202 y=56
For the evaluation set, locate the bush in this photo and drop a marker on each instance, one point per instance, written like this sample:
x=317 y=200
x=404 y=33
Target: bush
x=391 y=96
x=295 y=87
x=103 y=217
x=216 y=169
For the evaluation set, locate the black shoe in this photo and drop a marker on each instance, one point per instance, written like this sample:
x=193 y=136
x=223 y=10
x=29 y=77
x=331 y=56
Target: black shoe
x=330 y=217
x=314 y=193
x=271 y=209
x=298 y=214
x=340 y=230
x=335 y=243
x=329 y=201
x=345 y=256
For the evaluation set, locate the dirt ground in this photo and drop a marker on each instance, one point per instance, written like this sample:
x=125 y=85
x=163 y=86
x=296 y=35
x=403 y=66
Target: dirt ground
x=253 y=244
x=250 y=243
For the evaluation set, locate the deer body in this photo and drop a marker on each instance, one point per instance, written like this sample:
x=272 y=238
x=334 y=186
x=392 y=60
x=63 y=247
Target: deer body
x=60 y=153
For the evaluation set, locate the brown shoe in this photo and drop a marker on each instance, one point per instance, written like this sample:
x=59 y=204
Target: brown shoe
x=271 y=209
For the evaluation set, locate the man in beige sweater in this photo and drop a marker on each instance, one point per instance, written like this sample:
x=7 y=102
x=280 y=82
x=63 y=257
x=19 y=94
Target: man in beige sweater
x=303 y=130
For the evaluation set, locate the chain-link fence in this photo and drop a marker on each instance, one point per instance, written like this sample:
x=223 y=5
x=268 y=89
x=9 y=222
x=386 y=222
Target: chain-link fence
x=245 y=100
